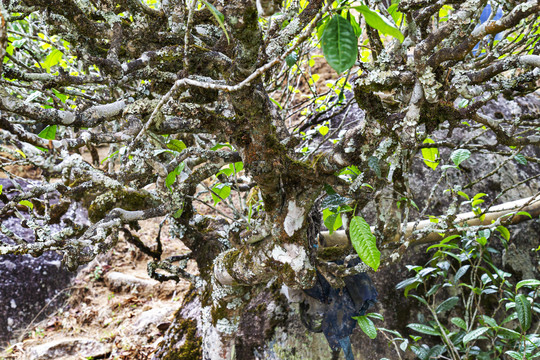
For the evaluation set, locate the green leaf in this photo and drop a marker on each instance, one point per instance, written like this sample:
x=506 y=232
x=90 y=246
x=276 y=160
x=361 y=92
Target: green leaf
x=339 y=44
x=52 y=59
x=323 y=130
x=523 y=310
x=514 y=354
x=291 y=59
x=375 y=316
x=475 y=334
x=220 y=192
x=59 y=95
x=459 y=156
x=447 y=304
x=528 y=282
x=520 y=159
x=504 y=232
x=373 y=163
x=524 y=213
x=1 y=187
x=49 y=133
x=431 y=155
x=490 y=321
x=424 y=329
x=364 y=242
x=367 y=326
x=461 y=271
x=176 y=145
x=219 y=17
x=332 y=220
x=379 y=22
x=178 y=213
x=171 y=177
x=459 y=322
x=26 y=203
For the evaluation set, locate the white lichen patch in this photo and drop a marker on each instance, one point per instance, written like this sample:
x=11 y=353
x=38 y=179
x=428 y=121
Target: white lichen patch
x=294 y=219
x=293 y=255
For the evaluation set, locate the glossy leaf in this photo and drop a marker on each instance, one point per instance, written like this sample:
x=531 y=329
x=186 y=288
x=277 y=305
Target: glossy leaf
x=459 y=322
x=367 y=326
x=364 y=242
x=176 y=145
x=49 y=133
x=528 y=282
x=339 y=44
x=424 y=329
x=379 y=22
x=523 y=310
x=220 y=192
x=475 y=334
x=459 y=156
x=447 y=304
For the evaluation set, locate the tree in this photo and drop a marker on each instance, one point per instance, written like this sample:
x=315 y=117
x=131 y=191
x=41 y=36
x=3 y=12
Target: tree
x=197 y=102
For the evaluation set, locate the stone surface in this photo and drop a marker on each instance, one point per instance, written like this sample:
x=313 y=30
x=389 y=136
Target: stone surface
x=75 y=348
x=120 y=282
x=29 y=286
x=150 y=319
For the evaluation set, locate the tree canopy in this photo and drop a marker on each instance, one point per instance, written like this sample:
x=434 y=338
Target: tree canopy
x=220 y=116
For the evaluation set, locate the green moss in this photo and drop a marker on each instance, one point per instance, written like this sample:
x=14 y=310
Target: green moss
x=333 y=252
x=185 y=330
x=105 y=202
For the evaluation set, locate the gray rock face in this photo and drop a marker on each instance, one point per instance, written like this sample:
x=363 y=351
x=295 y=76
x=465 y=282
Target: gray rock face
x=29 y=285
x=78 y=348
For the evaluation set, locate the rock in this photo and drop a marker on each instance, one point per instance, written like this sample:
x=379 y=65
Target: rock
x=82 y=348
x=120 y=282
x=152 y=318
x=29 y=285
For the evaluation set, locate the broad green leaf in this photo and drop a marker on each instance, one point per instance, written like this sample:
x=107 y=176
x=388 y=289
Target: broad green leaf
x=459 y=322
x=52 y=59
x=367 y=326
x=515 y=355
x=475 y=334
x=49 y=133
x=332 y=220
x=528 y=282
x=459 y=156
x=59 y=95
x=431 y=155
x=504 y=232
x=461 y=271
x=171 y=177
x=26 y=203
x=523 y=310
x=364 y=242
x=339 y=44
x=490 y=321
x=323 y=130
x=424 y=329
x=220 y=192
x=447 y=304
x=291 y=59
x=176 y=145
x=375 y=316
x=379 y=22
x=219 y=17
x=520 y=159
